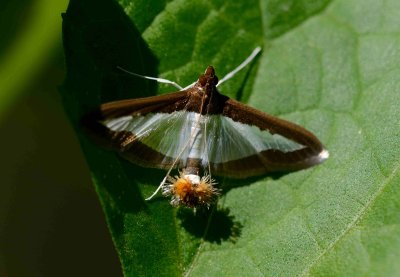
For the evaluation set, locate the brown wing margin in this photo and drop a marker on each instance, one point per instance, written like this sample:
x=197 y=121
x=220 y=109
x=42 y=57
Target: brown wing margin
x=124 y=142
x=161 y=103
x=270 y=160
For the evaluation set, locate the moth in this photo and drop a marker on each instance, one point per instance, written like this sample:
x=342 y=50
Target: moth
x=198 y=131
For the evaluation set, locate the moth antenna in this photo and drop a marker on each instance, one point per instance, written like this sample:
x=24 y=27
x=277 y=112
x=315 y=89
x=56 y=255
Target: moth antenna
x=243 y=64
x=189 y=86
x=160 y=80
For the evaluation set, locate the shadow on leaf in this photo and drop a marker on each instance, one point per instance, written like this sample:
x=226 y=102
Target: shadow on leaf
x=214 y=225
x=96 y=41
x=98 y=36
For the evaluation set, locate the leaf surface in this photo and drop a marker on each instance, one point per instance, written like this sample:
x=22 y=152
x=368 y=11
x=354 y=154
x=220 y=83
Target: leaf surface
x=331 y=66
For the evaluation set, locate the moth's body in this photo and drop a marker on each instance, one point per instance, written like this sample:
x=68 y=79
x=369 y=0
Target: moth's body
x=200 y=131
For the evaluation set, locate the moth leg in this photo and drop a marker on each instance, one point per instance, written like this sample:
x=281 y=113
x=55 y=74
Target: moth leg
x=158 y=189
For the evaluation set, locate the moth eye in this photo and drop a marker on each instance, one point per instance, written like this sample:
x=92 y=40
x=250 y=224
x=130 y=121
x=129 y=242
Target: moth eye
x=215 y=80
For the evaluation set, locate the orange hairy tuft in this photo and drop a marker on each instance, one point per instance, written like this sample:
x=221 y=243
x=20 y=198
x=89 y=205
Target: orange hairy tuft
x=186 y=193
x=182 y=188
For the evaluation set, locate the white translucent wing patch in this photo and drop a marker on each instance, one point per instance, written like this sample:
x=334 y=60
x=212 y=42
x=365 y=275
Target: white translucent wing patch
x=167 y=133
x=212 y=138
x=229 y=140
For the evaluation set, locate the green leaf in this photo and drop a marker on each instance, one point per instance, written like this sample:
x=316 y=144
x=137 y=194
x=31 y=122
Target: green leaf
x=331 y=66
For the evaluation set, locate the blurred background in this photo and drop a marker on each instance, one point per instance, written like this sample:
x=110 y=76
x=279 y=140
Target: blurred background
x=51 y=223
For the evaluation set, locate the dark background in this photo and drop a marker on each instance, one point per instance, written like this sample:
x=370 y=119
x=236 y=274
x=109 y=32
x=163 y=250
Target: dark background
x=51 y=223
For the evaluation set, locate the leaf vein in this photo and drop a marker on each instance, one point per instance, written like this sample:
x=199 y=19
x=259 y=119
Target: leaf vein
x=354 y=222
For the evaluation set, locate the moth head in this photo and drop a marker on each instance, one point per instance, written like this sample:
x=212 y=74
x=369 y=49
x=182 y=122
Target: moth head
x=210 y=71
x=208 y=78
x=190 y=190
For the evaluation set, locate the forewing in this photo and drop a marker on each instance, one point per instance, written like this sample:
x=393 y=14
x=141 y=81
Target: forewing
x=144 y=130
x=141 y=106
x=157 y=140
x=245 y=142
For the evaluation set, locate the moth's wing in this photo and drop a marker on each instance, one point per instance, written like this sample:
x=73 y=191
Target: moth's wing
x=139 y=105
x=146 y=131
x=246 y=142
